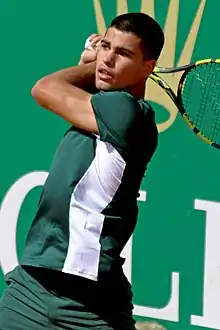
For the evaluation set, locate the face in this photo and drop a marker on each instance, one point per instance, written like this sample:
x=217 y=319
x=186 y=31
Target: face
x=120 y=63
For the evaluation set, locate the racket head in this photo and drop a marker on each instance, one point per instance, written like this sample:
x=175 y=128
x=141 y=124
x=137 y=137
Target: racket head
x=198 y=96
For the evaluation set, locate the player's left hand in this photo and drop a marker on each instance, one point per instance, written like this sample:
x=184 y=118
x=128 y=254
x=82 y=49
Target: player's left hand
x=89 y=54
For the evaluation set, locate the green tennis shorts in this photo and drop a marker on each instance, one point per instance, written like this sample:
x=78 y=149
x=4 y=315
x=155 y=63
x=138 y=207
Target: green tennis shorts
x=38 y=299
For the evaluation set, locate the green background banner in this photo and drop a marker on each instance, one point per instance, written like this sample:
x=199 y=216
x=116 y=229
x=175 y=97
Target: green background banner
x=173 y=257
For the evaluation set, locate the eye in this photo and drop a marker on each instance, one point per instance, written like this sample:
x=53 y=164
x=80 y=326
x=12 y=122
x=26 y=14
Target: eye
x=124 y=53
x=105 y=46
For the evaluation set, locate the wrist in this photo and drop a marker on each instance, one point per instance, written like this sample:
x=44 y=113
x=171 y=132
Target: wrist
x=87 y=81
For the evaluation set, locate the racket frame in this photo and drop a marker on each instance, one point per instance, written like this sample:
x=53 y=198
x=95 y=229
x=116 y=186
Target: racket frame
x=177 y=97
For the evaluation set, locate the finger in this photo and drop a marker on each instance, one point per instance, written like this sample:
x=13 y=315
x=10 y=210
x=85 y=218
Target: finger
x=96 y=40
x=93 y=36
x=92 y=41
x=95 y=43
x=88 y=41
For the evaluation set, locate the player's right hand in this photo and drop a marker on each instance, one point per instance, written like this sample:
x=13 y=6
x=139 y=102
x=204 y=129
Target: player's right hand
x=89 y=54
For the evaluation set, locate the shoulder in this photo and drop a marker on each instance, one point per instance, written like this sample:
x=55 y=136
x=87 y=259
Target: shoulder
x=115 y=103
x=116 y=115
x=115 y=96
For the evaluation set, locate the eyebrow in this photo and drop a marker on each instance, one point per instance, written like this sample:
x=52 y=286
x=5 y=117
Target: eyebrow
x=121 y=48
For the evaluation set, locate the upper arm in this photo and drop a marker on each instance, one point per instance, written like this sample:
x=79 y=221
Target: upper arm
x=115 y=113
x=71 y=103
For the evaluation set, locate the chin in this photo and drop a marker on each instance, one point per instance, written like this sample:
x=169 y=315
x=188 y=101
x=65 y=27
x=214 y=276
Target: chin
x=104 y=86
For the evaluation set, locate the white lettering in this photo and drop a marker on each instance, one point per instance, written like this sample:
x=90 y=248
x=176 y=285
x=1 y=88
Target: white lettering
x=9 y=213
x=171 y=311
x=143 y=196
x=211 y=290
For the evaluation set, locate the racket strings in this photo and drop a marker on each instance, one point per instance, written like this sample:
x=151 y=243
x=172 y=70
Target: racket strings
x=216 y=108
x=201 y=99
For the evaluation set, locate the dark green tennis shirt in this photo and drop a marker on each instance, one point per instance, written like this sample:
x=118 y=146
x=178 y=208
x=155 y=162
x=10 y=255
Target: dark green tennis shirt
x=88 y=206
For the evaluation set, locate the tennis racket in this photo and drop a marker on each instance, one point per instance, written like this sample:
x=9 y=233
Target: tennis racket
x=197 y=97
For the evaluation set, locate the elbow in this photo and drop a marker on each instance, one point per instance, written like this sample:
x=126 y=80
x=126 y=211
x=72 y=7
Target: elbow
x=35 y=90
x=39 y=89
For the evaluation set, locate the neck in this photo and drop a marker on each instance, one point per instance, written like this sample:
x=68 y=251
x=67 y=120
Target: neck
x=138 y=91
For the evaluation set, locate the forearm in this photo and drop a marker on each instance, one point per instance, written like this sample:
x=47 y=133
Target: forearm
x=88 y=86
x=82 y=76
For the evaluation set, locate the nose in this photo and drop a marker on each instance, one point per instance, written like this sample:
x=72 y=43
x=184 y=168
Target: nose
x=109 y=59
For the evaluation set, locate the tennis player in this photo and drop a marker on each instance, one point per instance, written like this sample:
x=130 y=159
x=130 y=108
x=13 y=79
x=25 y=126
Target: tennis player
x=70 y=275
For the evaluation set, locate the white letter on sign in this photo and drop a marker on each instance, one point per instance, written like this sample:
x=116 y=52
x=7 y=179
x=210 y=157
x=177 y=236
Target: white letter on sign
x=211 y=290
x=171 y=311
x=9 y=213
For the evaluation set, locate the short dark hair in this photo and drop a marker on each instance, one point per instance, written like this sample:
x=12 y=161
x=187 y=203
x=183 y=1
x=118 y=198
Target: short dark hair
x=144 y=27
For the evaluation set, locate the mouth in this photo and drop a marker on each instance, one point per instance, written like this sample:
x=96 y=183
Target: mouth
x=104 y=74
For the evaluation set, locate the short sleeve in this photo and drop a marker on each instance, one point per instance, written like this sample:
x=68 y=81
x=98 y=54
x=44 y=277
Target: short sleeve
x=115 y=114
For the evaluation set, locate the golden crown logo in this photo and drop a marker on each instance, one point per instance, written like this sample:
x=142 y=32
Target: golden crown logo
x=167 y=57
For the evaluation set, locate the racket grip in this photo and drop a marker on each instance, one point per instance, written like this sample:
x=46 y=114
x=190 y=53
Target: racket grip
x=88 y=44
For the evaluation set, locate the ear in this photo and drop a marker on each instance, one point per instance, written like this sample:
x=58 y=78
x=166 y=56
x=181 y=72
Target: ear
x=148 y=68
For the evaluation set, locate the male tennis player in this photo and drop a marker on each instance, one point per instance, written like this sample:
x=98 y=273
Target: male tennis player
x=70 y=275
